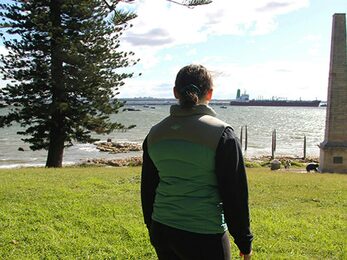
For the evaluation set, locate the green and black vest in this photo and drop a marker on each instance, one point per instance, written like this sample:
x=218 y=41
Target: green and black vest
x=183 y=148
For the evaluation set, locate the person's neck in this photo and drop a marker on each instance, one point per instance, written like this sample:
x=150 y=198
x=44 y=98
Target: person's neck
x=203 y=102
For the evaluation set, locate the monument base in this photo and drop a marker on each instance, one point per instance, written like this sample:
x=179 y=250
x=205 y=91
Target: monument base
x=333 y=157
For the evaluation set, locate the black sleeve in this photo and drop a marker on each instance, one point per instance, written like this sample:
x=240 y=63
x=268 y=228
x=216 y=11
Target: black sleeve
x=149 y=183
x=232 y=184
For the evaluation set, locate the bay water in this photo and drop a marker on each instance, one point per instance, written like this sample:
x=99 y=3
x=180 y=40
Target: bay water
x=291 y=124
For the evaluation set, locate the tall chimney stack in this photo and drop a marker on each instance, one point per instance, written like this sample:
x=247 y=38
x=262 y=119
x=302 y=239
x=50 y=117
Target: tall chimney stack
x=333 y=150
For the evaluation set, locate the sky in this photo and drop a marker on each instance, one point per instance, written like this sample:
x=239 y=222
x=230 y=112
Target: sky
x=266 y=48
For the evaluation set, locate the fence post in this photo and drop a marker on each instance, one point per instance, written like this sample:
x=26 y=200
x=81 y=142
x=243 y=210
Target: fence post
x=273 y=144
x=304 y=147
x=246 y=137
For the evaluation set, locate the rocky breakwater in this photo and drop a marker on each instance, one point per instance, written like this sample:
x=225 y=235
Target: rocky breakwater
x=114 y=147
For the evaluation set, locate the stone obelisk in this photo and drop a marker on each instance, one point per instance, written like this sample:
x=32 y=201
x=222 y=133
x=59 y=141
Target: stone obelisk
x=333 y=150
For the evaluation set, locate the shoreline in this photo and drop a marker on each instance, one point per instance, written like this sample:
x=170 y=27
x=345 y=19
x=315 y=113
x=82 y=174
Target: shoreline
x=253 y=162
x=133 y=161
x=127 y=154
x=125 y=147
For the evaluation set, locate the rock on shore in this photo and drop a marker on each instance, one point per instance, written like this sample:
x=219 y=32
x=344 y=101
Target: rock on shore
x=115 y=147
x=264 y=161
x=131 y=161
x=124 y=147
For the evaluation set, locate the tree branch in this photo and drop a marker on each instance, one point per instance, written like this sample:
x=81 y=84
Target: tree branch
x=191 y=3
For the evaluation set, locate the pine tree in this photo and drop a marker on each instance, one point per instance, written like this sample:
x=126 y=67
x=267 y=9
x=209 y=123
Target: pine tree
x=64 y=67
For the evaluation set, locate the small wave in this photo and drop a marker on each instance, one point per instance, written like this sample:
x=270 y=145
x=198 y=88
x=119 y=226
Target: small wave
x=69 y=163
x=82 y=147
x=88 y=149
x=21 y=165
x=25 y=165
x=9 y=160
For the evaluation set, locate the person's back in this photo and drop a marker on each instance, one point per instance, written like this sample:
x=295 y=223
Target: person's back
x=183 y=149
x=182 y=193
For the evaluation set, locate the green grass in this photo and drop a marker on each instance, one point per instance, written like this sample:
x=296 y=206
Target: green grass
x=95 y=213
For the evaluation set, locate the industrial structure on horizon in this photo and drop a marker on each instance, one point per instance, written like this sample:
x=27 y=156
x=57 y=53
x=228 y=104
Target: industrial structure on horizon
x=243 y=100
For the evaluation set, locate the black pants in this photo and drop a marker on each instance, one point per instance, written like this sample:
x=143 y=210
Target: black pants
x=175 y=244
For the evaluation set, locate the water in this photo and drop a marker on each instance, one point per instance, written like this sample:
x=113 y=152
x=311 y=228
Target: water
x=291 y=124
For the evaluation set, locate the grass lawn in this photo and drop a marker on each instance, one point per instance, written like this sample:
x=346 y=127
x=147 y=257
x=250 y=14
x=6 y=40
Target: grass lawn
x=95 y=213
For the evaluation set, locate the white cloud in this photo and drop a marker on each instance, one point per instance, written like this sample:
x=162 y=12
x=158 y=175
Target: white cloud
x=3 y=50
x=279 y=78
x=161 y=23
x=146 y=88
x=287 y=79
x=148 y=57
x=191 y=52
x=315 y=46
x=168 y=57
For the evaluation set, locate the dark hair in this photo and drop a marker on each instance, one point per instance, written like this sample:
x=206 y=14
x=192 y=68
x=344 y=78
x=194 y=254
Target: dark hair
x=192 y=83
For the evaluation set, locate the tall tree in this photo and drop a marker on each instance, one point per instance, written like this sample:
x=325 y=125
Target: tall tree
x=64 y=67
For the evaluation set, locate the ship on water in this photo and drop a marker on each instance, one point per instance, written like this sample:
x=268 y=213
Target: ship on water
x=243 y=100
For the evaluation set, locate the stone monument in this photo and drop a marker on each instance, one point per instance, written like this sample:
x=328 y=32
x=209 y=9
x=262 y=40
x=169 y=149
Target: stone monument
x=333 y=150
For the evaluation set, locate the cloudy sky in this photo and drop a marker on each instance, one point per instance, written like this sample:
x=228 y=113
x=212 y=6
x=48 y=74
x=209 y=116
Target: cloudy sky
x=267 y=48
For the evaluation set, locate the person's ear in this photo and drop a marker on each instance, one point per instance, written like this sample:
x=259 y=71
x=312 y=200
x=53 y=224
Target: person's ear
x=175 y=91
x=209 y=94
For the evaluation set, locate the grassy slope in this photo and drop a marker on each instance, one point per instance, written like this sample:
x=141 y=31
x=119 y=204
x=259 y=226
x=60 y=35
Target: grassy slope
x=81 y=213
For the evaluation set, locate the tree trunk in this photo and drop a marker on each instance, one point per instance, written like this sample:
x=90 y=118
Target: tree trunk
x=57 y=133
x=56 y=148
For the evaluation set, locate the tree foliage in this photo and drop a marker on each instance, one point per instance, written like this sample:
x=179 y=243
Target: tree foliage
x=64 y=70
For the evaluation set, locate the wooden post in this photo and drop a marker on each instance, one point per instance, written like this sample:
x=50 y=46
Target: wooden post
x=273 y=144
x=304 y=147
x=275 y=139
x=241 y=136
x=246 y=137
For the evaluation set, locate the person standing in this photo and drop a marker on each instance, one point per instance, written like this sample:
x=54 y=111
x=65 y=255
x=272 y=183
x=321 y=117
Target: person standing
x=193 y=179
